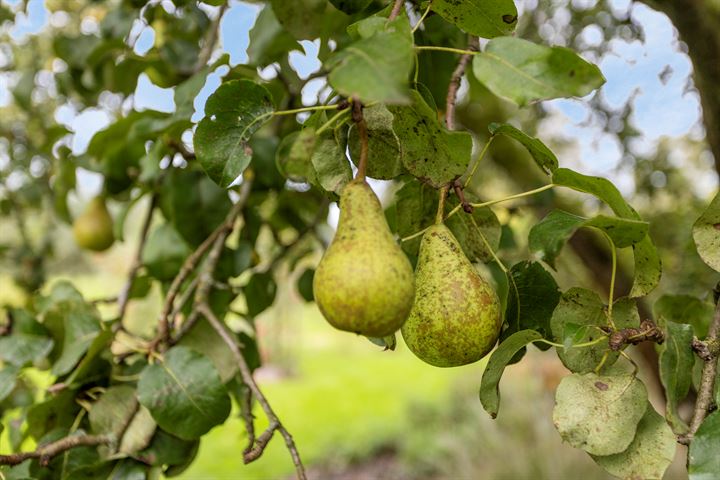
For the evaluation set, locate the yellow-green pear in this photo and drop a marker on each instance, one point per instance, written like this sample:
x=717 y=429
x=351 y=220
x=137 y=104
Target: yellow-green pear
x=364 y=282
x=93 y=229
x=456 y=316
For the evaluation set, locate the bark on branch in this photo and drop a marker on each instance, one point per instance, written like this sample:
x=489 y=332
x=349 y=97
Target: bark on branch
x=46 y=453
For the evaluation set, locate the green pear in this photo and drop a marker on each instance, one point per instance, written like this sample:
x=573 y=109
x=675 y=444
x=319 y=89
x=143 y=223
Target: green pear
x=364 y=282
x=93 y=229
x=456 y=316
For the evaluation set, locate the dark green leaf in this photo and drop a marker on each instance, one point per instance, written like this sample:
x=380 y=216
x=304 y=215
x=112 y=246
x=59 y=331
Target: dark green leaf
x=676 y=364
x=167 y=449
x=184 y=393
x=384 y=151
x=703 y=459
x=524 y=72
x=308 y=19
x=232 y=114
x=28 y=341
x=543 y=156
x=269 y=42
x=330 y=162
x=503 y=354
x=305 y=285
x=685 y=309
x=294 y=156
x=706 y=233
x=351 y=6
x=483 y=18
x=78 y=324
x=8 y=376
x=547 y=237
x=204 y=339
x=259 y=293
x=474 y=230
x=650 y=453
x=416 y=206
x=532 y=298
x=599 y=414
x=647 y=259
x=429 y=151
x=164 y=252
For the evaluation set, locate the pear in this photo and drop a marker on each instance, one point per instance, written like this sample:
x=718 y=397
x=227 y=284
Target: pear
x=93 y=229
x=456 y=316
x=364 y=282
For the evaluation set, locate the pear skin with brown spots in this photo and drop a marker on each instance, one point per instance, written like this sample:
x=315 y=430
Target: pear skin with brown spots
x=364 y=282
x=456 y=318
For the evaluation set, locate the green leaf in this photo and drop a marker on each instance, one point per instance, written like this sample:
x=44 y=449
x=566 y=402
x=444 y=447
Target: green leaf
x=524 y=72
x=307 y=19
x=706 y=233
x=647 y=259
x=685 y=309
x=650 y=453
x=384 y=150
x=483 y=18
x=294 y=156
x=305 y=285
x=330 y=162
x=532 y=298
x=503 y=354
x=232 y=114
x=429 y=151
x=167 y=449
x=28 y=342
x=184 y=393
x=599 y=414
x=351 y=6
x=580 y=307
x=8 y=377
x=703 y=459
x=548 y=236
x=470 y=229
x=164 y=252
x=139 y=432
x=79 y=324
x=676 y=364
x=416 y=206
x=269 y=42
x=543 y=156
x=204 y=339
x=259 y=293
x=113 y=411
x=371 y=71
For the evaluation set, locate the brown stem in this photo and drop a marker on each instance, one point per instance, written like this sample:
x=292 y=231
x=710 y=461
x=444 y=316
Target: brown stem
x=223 y=230
x=248 y=379
x=210 y=41
x=357 y=116
x=47 y=452
x=455 y=80
x=124 y=296
x=458 y=188
x=647 y=332
x=441 y=204
x=246 y=401
x=397 y=7
x=707 y=380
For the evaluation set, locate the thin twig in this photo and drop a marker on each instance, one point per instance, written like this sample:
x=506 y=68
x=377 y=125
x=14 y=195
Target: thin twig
x=455 y=81
x=357 y=116
x=246 y=401
x=246 y=374
x=397 y=7
x=124 y=296
x=47 y=452
x=707 y=380
x=210 y=41
x=191 y=263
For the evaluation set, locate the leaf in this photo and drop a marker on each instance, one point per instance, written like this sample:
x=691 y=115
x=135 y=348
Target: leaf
x=235 y=111
x=204 y=339
x=371 y=71
x=676 y=364
x=167 y=449
x=706 y=233
x=351 y=6
x=259 y=293
x=685 y=309
x=532 y=298
x=269 y=42
x=80 y=324
x=581 y=307
x=524 y=72
x=470 y=230
x=184 y=393
x=543 y=156
x=599 y=414
x=548 y=236
x=139 y=432
x=294 y=156
x=650 y=453
x=113 y=411
x=483 y=18
x=305 y=285
x=429 y=152
x=28 y=342
x=330 y=162
x=384 y=150
x=416 y=205
x=503 y=354
x=647 y=259
x=703 y=459
x=8 y=377
x=164 y=252
x=307 y=19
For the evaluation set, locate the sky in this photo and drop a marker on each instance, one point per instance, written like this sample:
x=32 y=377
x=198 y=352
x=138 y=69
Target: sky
x=664 y=107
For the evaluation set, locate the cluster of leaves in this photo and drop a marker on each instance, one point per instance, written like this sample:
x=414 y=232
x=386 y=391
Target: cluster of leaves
x=150 y=410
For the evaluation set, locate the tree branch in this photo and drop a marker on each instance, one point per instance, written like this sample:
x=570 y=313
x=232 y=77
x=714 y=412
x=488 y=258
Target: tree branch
x=707 y=380
x=47 y=452
x=397 y=7
x=210 y=41
x=455 y=81
x=246 y=374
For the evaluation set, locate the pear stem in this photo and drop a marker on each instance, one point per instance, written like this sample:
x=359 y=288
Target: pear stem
x=441 y=204
x=357 y=115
